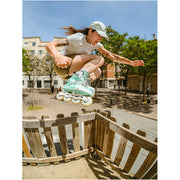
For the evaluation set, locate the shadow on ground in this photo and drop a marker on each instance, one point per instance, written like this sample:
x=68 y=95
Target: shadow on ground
x=132 y=103
x=99 y=168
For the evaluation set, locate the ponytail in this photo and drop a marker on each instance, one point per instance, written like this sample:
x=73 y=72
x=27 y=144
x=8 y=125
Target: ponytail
x=71 y=30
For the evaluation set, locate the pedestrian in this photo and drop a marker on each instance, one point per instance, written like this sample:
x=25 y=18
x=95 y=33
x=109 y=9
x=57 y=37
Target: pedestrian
x=147 y=92
x=114 y=87
x=119 y=90
x=52 y=89
x=60 y=89
x=76 y=63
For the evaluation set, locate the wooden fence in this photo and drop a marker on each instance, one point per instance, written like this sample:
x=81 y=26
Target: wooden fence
x=98 y=135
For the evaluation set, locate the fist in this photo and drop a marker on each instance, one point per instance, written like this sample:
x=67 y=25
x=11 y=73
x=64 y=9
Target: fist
x=136 y=63
x=62 y=61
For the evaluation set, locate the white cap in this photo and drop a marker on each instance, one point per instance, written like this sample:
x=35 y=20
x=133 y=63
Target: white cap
x=99 y=27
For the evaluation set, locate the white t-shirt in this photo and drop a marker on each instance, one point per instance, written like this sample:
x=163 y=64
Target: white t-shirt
x=79 y=45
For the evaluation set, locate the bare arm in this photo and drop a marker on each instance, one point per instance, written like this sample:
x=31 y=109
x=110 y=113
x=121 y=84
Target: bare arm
x=120 y=59
x=59 y=59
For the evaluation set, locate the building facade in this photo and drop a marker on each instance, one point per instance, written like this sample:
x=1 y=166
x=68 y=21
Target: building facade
x=36 y=47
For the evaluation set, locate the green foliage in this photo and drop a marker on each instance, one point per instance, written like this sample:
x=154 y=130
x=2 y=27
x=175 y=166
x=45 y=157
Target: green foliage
x=32 y=108
x=115 y=41
x=139 y=49
x=114 y=44
x=132 y=48
x=25 y=61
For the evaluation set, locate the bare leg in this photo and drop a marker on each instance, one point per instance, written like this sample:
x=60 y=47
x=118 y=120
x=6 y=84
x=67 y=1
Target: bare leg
x=94 y=75
x=90 y=63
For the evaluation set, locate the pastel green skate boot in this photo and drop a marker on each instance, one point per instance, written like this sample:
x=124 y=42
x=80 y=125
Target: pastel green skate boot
x=79 y=83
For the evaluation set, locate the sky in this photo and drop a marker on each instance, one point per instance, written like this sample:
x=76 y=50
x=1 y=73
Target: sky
x=45 y=18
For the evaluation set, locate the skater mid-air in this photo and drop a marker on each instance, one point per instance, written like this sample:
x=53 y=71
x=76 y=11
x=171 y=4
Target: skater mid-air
x=76 y=63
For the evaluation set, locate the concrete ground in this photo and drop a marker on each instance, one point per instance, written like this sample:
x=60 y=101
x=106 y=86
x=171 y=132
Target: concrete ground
x=130 y=103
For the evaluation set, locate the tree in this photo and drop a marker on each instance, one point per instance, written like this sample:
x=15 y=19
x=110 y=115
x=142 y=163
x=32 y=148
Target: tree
x=25 y=60
x=135 y=49
x=47 y=64
x=31 y=68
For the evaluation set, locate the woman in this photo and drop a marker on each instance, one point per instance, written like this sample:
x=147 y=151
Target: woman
x=76 y=57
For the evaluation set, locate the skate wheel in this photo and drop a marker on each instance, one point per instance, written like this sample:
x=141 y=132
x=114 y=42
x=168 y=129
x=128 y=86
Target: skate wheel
x=76 y=101
x=67 y=99
x=87 y=102
x=59 y=97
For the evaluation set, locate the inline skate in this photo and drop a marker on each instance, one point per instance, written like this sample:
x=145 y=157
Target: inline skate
x=77 y=89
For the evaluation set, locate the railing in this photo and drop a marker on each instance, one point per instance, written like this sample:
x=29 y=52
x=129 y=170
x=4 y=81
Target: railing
x=135 y=156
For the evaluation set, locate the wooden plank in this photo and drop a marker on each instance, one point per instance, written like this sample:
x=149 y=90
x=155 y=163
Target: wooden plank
x=110 y=143
x=98 y=133
x=75 y=133
x=35 y=142
x=102 y=130
x=105 y=130
x=110 y=140
x=92 y=137
x=62 y=136
x=146 y=164
x=76 y=139
x=104 y=136
x=36 y=123
x=59 y=158
x=151 y=172
x=145 y=143
x=25 y=148
x=87 y=134
x=133 y=154
x=105 y=142
x=121 y=147
x=63 y=139
x=50 y=142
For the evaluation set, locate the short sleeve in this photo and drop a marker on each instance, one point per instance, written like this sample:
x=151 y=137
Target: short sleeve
x=75 y=39
x=98 y=45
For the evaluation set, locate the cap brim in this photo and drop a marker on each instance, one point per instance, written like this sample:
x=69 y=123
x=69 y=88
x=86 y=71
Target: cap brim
x=102 y=34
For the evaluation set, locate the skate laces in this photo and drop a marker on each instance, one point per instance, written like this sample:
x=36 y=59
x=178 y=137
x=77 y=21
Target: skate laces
x=84 y=80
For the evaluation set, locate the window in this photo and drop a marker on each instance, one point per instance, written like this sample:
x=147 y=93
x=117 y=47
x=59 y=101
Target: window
x=47 y=84
x=30 y=84
x=33 y=44
x=32 y=52
x=55 y=82
x=38 y=84
x=23 y=82
x=39 y=52
x=25 y=44
x=111 y=83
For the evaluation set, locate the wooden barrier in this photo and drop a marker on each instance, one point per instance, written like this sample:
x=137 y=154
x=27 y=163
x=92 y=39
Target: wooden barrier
x=99 y=133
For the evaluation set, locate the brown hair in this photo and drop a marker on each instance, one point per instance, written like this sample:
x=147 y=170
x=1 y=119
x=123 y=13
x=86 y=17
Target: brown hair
x=71 y=30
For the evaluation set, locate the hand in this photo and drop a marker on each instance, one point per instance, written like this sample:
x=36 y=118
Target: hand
x=62 y=61
x=136 y=63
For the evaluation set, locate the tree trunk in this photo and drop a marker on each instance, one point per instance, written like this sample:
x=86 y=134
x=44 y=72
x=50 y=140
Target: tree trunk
x=126 y=80
x=144 y=85
x=51 y=83
x=97 y=80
